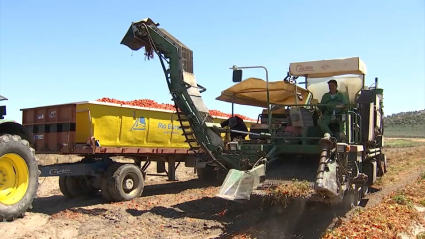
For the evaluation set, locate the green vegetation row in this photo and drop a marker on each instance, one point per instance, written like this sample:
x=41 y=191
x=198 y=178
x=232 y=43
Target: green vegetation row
x=412 y=118
x=405 y=124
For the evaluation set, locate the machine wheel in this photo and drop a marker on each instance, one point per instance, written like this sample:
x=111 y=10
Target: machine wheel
x=126 y=183
x=18 y=176
x=353 y=197
x=207 y=174
x=106 y=178
x=382 y=165
x=364 y=191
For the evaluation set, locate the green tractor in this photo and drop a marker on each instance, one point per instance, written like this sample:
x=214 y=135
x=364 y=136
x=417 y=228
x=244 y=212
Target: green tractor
x=18 y=168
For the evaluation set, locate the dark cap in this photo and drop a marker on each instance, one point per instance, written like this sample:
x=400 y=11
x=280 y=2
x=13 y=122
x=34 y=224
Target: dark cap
x=333 y=81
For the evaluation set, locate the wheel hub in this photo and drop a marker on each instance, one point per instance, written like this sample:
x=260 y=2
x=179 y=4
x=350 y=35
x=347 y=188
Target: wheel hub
x=14 y=178
x=128 y=185
x=3 y=178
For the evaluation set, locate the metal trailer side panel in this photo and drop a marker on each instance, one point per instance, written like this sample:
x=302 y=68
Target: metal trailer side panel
x=53 y=127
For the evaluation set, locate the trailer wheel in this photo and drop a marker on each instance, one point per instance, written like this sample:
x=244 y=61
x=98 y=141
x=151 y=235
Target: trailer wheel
x=106 y=178
x=18 y=177
x=78 y=186
x=126 y=183
x=207 y=174
x=62 y=186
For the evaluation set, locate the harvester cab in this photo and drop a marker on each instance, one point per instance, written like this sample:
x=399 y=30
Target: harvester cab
x=345 y=160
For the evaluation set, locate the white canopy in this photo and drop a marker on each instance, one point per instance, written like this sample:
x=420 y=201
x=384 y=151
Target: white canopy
x=327 y=68
x=253 y=92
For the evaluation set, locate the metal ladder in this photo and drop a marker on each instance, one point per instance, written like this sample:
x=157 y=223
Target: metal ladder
x=186 y=128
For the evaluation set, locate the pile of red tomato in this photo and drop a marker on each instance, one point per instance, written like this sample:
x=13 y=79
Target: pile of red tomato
x=147 y=103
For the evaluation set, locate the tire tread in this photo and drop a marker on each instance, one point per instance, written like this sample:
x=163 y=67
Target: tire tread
x=5 y=140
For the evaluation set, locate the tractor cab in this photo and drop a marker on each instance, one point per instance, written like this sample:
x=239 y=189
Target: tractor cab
x=349 y=73
x=296 y=108
x=304 y=126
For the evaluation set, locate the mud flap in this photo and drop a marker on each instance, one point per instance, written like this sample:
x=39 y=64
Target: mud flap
x=239 y=185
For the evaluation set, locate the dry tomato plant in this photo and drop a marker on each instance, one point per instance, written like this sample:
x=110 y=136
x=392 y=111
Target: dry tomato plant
x=396 y=214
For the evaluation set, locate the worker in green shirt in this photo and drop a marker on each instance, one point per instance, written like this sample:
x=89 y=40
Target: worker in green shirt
x=337 y=99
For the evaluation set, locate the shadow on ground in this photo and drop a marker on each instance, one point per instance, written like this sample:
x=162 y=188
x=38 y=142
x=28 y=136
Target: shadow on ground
x=56 y=203
x=299 y=219
x=176 y=187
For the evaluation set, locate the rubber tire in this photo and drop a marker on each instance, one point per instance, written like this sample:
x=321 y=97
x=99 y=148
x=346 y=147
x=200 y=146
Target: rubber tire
x=62 y=186
x=15 y=144
x=78 y=187
x=115 y=183
x=365 y=191
x=382 y=165
x=207 y=174
x=106 y=178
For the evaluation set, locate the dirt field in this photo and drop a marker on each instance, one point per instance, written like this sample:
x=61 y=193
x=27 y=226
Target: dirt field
x=188 y=209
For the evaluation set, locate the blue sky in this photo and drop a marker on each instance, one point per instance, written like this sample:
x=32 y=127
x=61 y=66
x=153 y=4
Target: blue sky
x=54 y=52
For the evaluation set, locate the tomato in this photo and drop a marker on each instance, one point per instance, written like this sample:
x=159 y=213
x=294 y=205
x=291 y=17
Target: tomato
x=148 y=103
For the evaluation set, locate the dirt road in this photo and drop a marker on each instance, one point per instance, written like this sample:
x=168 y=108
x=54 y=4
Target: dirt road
x=188 y=209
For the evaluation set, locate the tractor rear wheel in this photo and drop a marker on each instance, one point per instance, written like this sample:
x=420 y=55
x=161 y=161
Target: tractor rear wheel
x=18 y=176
